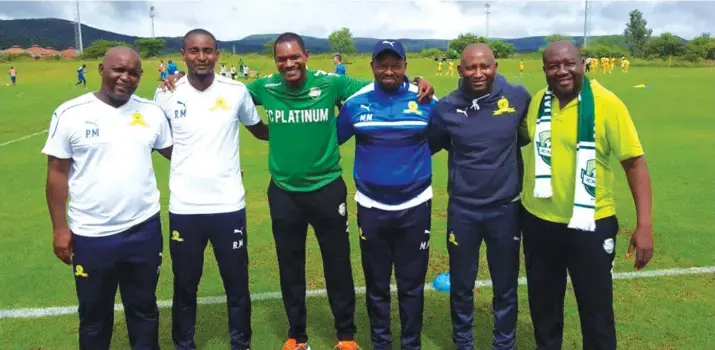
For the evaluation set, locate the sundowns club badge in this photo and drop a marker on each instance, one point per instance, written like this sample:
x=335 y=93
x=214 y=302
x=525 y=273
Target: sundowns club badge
x=137 y=119
x=413 y=108
x=588 y=177
x=543 y=146
x=220 y=104
x=503 y=107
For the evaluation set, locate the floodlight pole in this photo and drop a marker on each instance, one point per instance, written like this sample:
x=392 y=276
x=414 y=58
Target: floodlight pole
x=78 y=30
x=487 y=13
x=585 y=25
x=151 y=17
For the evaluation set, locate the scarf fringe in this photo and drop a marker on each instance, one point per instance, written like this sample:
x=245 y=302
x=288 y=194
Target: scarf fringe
x=582 y=219
x=542 y=188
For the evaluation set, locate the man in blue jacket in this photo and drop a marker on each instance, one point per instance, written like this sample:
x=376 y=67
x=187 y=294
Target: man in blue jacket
x=480 y=125
x=339 y=65
x=393 y=176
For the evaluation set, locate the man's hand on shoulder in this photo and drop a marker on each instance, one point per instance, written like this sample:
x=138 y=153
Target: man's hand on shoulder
x=170 y=82
x=425 y=90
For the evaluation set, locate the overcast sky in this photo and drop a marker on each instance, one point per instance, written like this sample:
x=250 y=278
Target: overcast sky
x=430 y=19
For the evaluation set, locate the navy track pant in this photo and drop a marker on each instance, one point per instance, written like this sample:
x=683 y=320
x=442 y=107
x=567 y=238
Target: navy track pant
x=550 y=251
x=399 y=239
x=499 y=227
x=130 y=260
x=228 y=235
x=324 y=209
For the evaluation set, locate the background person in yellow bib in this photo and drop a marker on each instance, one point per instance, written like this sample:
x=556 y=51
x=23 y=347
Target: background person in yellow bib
x=551 y=247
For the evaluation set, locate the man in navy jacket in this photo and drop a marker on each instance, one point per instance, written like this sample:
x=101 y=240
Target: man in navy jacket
x=481 y=125
x=393 y=177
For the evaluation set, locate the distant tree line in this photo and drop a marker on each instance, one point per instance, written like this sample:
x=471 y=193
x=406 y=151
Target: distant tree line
x=641 y=45
x=342 y=42
x=146 y=47
x=637 y=42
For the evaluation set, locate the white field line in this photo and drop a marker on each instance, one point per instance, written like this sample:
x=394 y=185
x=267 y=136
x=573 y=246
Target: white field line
x=22 y=138
x=26 y=136
x=68 y=310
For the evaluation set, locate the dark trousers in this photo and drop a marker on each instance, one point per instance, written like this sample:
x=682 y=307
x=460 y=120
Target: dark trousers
x=325 y=210
x=499 y=228
x=400 y=238
x=550 y=250
x=228 y=235
x=130 y=260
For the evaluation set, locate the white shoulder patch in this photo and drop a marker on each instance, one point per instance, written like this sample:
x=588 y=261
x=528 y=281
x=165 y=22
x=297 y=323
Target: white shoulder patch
x=364 y=90
x=415 y=89
x=142 y=100
x=229 y=81
x=77 y=101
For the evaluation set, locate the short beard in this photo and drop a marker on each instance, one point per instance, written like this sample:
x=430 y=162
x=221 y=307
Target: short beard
x=202 y=76
x=388 y=88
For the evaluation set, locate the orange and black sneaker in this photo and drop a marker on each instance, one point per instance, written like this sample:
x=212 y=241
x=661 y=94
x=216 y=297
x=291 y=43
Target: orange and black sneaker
x=347 y=345
x=291 y=344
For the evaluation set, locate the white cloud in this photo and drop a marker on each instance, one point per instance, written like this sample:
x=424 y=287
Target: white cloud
x=435 y=19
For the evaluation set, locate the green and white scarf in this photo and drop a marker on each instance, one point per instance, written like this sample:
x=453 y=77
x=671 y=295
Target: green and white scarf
x=584 y=205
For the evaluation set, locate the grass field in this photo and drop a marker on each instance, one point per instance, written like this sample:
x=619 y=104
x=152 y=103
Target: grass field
x=676 y=126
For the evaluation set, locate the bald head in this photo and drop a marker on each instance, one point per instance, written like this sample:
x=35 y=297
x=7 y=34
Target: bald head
x=561 y=47
x=479 y=50
x=120 y=53
x=477 y=69
x=564 y=70
x=121 y=71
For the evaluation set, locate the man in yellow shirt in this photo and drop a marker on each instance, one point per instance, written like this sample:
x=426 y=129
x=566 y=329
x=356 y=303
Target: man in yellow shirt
x=594 y=63
x=450 y=69
x=604 y=64
x=626 y=64
x=569 y=223
x=613 y=65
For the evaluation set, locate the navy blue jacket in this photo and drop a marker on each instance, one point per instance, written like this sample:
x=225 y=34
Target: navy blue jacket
x=393 y=162
x=482 y=137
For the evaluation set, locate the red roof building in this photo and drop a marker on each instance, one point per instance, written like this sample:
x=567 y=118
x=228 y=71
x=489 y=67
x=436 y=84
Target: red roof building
x=69 y=52
x=52 y=51
x=37 y=51
x=13 y=50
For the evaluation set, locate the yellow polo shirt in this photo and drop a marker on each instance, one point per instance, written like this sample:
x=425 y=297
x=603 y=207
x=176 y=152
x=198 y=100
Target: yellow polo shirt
x=615 y=134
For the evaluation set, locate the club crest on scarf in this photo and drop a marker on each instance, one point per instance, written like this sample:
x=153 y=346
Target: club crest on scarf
x=588 y=177
x=543 y=146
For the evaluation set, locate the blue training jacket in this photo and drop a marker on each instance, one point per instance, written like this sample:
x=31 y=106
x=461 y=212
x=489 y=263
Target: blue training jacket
x=481 y=136
x=393 y=162
x=171 y=68
x=340 y=69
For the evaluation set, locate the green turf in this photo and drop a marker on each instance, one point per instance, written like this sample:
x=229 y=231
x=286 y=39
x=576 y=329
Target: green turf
x=675 y=124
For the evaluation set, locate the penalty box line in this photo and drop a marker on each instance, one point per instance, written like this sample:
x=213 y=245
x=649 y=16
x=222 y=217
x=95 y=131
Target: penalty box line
x=68 y=310
x=22 y=138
